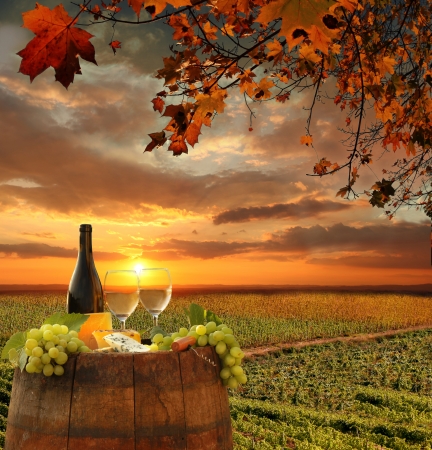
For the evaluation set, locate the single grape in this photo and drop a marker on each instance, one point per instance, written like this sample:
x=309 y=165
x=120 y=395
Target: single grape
x=192 y=328
x=56 y=329
x=154 y=347
x=72 y=347
x=175 y=335
x=167 y=340
x=202 y=340
x=64 y=329
x=183 y=332
x=225 y=381
x=219 y=327
x=45 y=358
x=194 y=334
x=224 y=354
x=235 y=344
x=28 y=352
x=201 y=330
x=53 y=352
x=34 y=333
x=227 y=330
x=61 y=358
x=83 y=349
x=211 y=339
x=229 y=339
x=225 y=373
x=60 y=348
x=39 y=369
x=30 y=368
x=63 y=343
x=56 y=340
x=218 y=336
x=236 y=370
x=238 y=361
x=46 y=327
x=73 y=333
x=236 y=352
x=31 y=344
x=37 y=351
x=78 y=342
x=48 y=370
x=67 y=337
x=229 y=360
x=48 y=345
x=48 y=335
x=58 y=370
x=210 y=327
x=42 y=342
x=157 y=338
x=232 y=383
x=177 y=338
x=242 y=355
x=220 y=347
x=242 y=379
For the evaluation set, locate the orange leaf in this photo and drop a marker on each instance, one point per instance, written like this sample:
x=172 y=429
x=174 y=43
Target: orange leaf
x=276 y=52
x=158 y=104
x=57 y=44
x=136 y=6
x=155 y=7
x=192 y=133
x=157 y=140
x=208 y=103
x=306 y=140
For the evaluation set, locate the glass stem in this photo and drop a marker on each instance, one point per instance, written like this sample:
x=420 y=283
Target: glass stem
x=122 y=324
x=155 y=321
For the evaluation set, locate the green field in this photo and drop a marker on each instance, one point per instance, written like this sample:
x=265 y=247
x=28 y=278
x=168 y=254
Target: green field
x=365 y=395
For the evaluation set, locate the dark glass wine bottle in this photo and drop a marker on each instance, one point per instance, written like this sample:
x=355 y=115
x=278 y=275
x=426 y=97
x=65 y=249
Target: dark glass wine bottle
x=85 y=293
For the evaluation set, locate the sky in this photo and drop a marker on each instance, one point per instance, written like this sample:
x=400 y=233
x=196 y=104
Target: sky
x=239 y=209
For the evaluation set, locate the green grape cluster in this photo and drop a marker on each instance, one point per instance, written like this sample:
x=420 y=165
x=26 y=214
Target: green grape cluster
x=48 y=348
x=219 y=336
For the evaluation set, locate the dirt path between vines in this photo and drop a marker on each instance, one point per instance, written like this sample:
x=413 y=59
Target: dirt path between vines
x=260 y=351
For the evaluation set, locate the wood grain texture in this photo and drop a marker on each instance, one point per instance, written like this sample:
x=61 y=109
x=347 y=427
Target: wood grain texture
x=204 y=393
x=102 y=412
x=111 y=401
x=39 y=410
x=159 y=409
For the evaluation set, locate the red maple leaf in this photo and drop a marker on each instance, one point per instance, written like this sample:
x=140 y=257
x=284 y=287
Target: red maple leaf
x=114 y=45
x=57 y=44
x=158 y=104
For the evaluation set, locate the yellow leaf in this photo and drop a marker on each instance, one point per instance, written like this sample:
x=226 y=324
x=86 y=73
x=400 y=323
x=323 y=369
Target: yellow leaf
x=262 y=91
x=386 y=65
x=308 y=52
x=275 y=51
x=160 y=5
x=208 y=103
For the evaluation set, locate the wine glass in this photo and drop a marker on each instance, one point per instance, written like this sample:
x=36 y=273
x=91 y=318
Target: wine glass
x=155 y=290
x=121 y=293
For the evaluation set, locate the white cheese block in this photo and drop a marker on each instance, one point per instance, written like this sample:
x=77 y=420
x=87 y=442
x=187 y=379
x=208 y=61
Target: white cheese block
x=125 y=344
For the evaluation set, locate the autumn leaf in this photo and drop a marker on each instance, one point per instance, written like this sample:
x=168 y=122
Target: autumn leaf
x=155 y=7
x=192 y=132
x=57 y=44
x=262 y=91
x=172 y=70
x=307 y=140
x=114 y=45
x=246 y=82
x=157 y=140
x=136 y=5
x=297 y=14
x=308 y=52
x=158 y=104
x=343 y=191
x=210 y=31
x=320 y=168
x=276 y=51
x=386 y=64
x=208 y=103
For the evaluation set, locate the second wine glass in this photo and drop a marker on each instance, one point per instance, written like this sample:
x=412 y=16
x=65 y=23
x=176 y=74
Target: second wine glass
x=155 y=290
x=121 y=293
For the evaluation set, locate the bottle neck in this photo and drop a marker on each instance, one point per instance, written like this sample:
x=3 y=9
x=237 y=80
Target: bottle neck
x=85 y=243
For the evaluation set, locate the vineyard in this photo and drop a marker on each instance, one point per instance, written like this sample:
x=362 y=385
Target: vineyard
x=363 y=395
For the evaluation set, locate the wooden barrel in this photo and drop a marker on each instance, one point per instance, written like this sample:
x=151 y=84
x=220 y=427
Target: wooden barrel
x=147 y=401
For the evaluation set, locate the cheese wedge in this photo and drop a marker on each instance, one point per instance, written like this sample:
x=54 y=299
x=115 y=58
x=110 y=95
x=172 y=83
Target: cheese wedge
x=96 y=321
x=98 y=336
x=125 y=344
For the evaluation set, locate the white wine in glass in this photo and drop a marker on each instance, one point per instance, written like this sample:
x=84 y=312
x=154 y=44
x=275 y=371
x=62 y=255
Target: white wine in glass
x=121 y=293
x=155 y=290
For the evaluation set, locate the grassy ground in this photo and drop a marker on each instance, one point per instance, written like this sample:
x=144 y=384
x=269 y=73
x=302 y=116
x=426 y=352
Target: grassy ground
x=363 y=395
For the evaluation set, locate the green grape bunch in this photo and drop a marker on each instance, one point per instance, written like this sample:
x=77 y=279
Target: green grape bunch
x=48 y=349
x=219 y=336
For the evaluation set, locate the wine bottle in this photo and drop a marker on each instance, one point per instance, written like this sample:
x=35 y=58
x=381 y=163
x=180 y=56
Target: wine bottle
x=85 y=293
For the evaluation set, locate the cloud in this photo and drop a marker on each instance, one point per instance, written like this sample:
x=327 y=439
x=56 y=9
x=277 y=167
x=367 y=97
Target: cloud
x=305 y=208
x=401 y=245
x=39 y=250
x=45 y=235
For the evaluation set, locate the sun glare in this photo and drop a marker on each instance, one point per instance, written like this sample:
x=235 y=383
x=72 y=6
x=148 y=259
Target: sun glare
x=138 y=268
